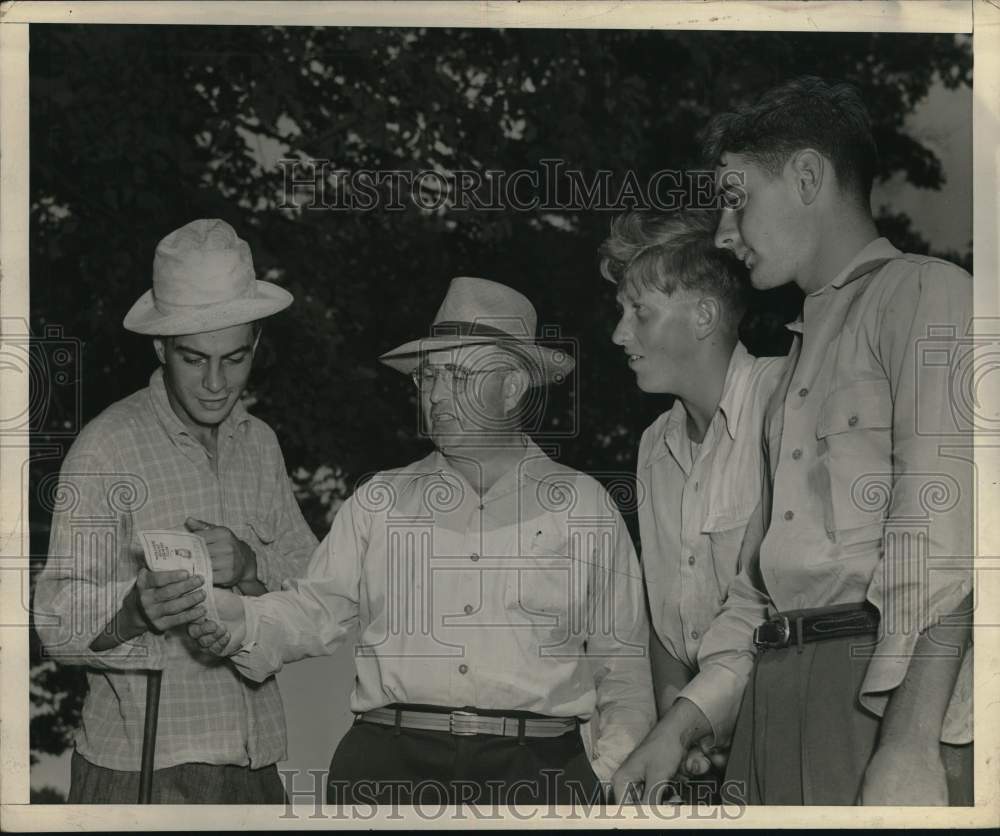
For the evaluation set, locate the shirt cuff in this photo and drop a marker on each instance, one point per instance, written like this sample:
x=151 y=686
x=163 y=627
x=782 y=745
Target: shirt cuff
x=718 y=692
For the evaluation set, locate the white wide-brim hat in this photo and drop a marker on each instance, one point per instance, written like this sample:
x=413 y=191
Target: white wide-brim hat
x=480 y=312
x=203 y=280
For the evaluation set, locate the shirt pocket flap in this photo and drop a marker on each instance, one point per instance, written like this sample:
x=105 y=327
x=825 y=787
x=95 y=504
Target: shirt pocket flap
x=865 y=405
x=263 y=530
x=726 y=520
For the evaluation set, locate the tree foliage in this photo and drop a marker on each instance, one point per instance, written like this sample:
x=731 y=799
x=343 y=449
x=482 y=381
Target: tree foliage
x=137 y=130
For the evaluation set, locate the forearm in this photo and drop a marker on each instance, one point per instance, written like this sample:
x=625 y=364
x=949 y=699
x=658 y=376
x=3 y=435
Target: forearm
x=669 y=675
x=126 y=624
x=916 y=709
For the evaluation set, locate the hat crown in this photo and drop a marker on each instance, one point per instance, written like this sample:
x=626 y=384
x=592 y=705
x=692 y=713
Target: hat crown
x=203 y=263
x=486 y=303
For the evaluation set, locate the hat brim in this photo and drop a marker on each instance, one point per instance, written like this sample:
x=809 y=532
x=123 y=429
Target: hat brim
x=145 y=318
x=551 y=365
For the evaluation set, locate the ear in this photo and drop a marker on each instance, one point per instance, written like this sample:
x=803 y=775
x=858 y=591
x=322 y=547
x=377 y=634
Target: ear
x=514 y=387
x=159 y=346
x=809 y=169
x=707 y=316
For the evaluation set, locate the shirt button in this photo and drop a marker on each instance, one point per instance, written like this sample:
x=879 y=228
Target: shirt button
x=789 y=515
x=852 y=421
x=803 y=392
x=480 y=507
x=830 y=536
x=691 y=560
x=695 y=634
x=697 y=485
x=796 y=453
x=468 y=609
x=463 y=669
x=473 y=556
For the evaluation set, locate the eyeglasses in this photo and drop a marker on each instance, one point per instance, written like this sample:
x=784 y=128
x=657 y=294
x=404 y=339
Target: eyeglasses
x=457 y=377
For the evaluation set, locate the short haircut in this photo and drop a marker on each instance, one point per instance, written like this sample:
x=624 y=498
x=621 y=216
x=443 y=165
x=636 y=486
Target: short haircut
x=669 y=251
x=806 y=112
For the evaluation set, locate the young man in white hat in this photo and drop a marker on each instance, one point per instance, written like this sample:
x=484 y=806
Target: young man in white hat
x=496 y=593
x=181 y=454
x=700 y=464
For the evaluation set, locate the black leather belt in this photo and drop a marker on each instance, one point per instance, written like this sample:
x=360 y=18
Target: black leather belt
x=802 y=626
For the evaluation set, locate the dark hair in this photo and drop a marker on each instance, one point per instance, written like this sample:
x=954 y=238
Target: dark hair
x=805 y=112
x=665 y=252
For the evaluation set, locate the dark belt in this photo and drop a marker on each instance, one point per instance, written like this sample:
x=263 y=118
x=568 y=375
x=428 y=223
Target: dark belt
x=803 y=626
x=469 y=723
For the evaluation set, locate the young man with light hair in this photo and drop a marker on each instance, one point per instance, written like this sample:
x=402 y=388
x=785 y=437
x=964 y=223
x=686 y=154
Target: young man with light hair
x=861 y=687
x=183 y=454
x=700 y=464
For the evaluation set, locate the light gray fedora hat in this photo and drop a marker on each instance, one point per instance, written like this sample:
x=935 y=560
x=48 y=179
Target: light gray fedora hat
x=483 y=312
x=203 y=280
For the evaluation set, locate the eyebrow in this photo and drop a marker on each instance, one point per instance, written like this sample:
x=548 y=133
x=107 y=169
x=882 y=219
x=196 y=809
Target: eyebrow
x=188 y=350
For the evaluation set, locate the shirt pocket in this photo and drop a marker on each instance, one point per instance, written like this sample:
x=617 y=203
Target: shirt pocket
x=854 y=435
x=725 y=533
x=543 y=584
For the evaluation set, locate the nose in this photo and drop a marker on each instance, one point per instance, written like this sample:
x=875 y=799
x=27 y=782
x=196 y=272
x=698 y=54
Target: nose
x=215 y=378
x=622 y=333
x=440 y=389
x=726 y=234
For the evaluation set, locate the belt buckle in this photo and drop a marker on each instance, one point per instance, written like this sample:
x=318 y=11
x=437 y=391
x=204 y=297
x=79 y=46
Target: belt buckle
x=457 y=718
x=773 y=633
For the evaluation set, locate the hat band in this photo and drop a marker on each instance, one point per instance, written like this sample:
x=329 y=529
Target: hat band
x=457 y=328
x=165 y=307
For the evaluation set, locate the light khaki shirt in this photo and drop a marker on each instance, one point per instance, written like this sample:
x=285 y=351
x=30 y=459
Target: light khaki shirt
x=528 y=597
x=871 y=455
x=693 y=514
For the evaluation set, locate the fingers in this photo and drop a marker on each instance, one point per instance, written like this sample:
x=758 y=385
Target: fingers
x=167 y=622
x=194 y=524
x=210 y=636
x=176 y=589
x=151 y=580
x=697 y=763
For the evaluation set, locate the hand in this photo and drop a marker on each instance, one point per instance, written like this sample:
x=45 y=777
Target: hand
x=702 y=760
x=233 y=561
x=905 y=775
x=216 y=637
x=646 y=772
x=167 y=599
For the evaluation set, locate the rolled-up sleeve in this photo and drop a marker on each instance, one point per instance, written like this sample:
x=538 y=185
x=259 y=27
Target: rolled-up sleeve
x=90 y=569
x=626 y=708
x=288 y=544
x=310 y=615
x=925 y=571
x=726 y=658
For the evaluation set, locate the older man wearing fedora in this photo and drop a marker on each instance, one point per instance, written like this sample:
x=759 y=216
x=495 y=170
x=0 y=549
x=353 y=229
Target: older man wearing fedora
x=182 y=453
x=496 y=593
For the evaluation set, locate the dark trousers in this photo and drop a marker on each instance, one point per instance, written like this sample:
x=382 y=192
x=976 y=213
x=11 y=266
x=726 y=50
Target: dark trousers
x=186 y=783
x=802 y=736
x=382 y=765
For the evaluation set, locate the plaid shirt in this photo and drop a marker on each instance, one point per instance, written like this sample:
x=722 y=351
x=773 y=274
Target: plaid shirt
x=133 y=468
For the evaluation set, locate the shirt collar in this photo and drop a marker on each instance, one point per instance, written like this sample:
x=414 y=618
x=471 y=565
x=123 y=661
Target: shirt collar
x=534 y=464
x=868 y=258
x=875 y=253
x=238 y=417
x=730 y=407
